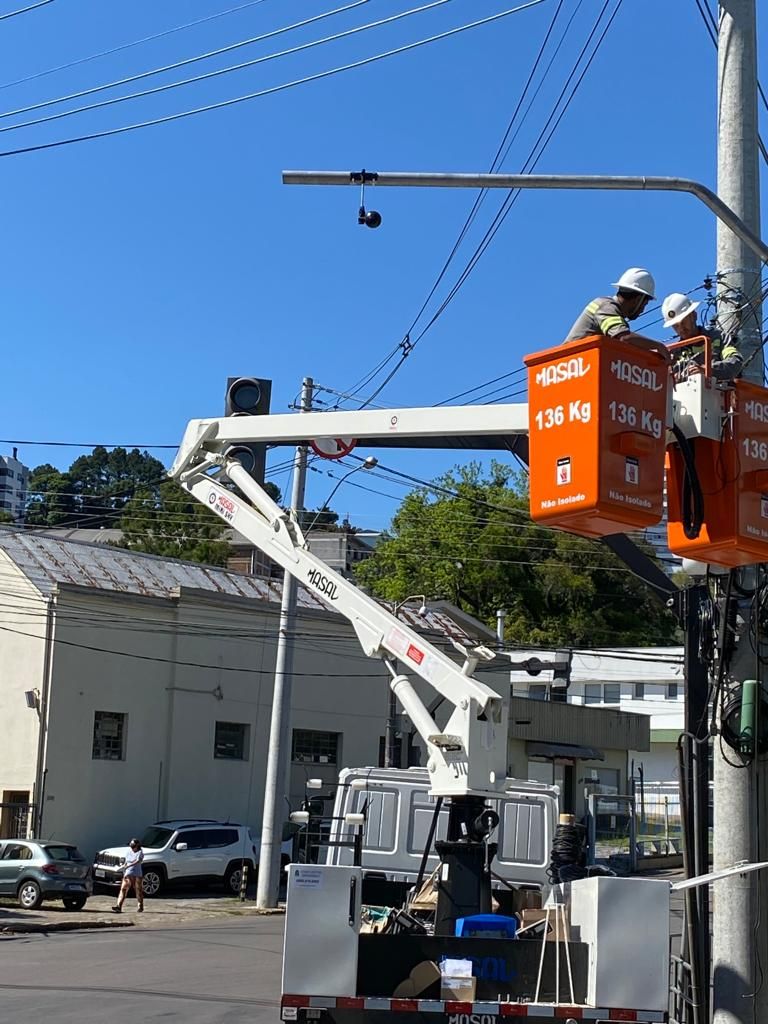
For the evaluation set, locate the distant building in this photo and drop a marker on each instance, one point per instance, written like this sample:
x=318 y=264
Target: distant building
x=14 y=477
x=342 y=550
x=640 y=680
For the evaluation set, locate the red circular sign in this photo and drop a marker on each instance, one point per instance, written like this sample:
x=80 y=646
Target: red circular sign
x=332 y=447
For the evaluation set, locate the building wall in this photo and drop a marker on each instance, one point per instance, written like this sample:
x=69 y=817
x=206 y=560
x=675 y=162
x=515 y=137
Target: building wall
x=14 y=476
x=22 y=657
x=225 y=656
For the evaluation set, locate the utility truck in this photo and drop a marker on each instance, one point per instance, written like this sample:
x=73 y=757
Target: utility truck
x=610 y=961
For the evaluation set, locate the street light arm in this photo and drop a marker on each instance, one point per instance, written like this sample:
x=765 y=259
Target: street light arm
x=605 y=182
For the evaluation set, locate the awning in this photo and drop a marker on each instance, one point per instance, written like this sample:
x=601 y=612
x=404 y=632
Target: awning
x=567 y=750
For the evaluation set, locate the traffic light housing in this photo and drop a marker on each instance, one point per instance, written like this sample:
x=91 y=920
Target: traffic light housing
x=249 y=396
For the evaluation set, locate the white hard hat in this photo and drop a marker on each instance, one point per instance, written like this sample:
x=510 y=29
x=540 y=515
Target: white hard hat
x=677 y=307
x=637 y=280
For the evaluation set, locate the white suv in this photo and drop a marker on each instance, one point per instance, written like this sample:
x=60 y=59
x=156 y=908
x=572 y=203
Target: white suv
x=187 y=851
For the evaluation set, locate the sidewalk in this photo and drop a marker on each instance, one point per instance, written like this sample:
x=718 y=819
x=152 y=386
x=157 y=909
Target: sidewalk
x=160 y=912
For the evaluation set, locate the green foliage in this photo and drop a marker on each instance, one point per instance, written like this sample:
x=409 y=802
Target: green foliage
x=322 y=518
x=93 y=491
x=480 y=550
x=169 y=521
x=6 y=516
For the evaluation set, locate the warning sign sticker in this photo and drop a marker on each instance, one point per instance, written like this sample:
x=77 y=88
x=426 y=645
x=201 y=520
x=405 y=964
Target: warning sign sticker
x=632 y=471
x=563 y=472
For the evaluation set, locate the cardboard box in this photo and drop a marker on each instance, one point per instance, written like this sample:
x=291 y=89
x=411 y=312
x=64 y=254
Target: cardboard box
x=529 y=917
x=458 y=990
x=456 y=981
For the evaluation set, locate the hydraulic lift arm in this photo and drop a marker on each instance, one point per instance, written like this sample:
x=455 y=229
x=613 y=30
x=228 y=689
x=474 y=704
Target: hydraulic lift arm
x=469 y=758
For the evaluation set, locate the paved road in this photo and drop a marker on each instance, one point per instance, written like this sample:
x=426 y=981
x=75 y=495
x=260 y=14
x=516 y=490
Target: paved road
x=199 y=974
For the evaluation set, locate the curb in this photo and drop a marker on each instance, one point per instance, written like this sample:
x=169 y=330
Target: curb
x=24 y=927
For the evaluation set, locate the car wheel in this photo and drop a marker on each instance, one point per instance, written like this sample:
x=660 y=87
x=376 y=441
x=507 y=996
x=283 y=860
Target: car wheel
x=74 y=902
x=152 y=881
x=29 y=895
x=234 y=876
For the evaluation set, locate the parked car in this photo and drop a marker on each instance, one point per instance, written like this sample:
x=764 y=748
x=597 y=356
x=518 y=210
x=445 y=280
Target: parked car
x=37 y=870
x=188 y=850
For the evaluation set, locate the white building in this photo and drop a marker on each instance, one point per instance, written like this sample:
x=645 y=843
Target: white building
x=14 y=477
x=640 y=680
x=135 y=688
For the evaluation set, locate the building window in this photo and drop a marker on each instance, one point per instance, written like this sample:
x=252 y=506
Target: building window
x=109 y=736
x=593 y=693
x=639 y=691
x=313 y=747
x=612 y=693
x=232 y=741
x=672 y=691
x=537 y=691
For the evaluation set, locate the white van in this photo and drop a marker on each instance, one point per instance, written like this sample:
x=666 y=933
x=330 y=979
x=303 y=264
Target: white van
x=399 y=811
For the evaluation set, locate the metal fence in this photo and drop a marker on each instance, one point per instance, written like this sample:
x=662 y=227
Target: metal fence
x=15 y=820
x=611 y=832
x=659 y=825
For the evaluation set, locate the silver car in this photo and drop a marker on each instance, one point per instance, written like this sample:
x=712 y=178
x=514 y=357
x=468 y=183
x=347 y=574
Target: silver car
x=34 y=870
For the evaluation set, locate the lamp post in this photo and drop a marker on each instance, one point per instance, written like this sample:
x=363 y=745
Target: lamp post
x=391 y=727
x=369 y=463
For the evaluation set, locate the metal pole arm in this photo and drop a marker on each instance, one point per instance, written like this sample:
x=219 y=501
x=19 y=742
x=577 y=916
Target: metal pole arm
x=607 y=182
x=470 y=756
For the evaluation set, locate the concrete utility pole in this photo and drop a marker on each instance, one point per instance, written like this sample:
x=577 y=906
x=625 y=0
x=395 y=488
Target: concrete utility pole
x=735 y=814
x=278 y=754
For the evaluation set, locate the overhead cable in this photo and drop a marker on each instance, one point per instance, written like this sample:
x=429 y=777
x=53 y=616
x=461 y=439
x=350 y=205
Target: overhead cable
x=193 y=60
x=318 y=76
x=127 y=46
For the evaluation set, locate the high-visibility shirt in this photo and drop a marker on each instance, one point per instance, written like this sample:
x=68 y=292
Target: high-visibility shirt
x=727 y=361
x=601 y=316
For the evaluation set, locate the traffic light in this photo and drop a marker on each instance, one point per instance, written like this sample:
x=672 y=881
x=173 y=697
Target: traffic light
x=249 y=396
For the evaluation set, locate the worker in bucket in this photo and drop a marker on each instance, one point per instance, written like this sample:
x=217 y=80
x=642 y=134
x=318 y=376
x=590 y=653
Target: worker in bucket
x=679 y=313
x=611 y=315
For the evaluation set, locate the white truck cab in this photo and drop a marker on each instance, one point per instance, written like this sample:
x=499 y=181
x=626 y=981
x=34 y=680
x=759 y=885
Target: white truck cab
x=399 y=811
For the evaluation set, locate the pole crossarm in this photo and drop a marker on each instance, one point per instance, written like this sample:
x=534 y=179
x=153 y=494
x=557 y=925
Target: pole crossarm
x=605 y=182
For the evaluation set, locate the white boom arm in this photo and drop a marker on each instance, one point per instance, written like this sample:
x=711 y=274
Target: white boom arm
x=470 y=756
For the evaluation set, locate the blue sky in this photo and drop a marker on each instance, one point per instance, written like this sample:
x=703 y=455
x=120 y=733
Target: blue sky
x=139 y=271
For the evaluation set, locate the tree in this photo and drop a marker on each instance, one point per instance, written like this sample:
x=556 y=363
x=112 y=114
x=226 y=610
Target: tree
x=93 y=491
x=322 y=518
x=169 y=521
x=6 y=517
x=471 y=541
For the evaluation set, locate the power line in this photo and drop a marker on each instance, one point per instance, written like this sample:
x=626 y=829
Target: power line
x=272 y=89
x=126 y=46
x=194 y=60
x=78 y=444
x=405 y=345
x=24 y=10
x=496 y=162
x=713 y=30
x=529 y=164
x=512 y=196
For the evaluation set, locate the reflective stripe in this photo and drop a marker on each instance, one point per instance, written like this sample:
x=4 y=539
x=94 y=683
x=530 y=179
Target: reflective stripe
x=612 y=321
x=593 y=307
x=290 y=1004
x=729 y=351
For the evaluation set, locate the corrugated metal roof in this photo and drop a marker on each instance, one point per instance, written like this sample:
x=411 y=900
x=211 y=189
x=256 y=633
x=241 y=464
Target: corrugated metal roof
x=48 y=561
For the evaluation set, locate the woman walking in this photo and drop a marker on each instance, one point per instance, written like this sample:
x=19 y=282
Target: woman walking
x=132 y=878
